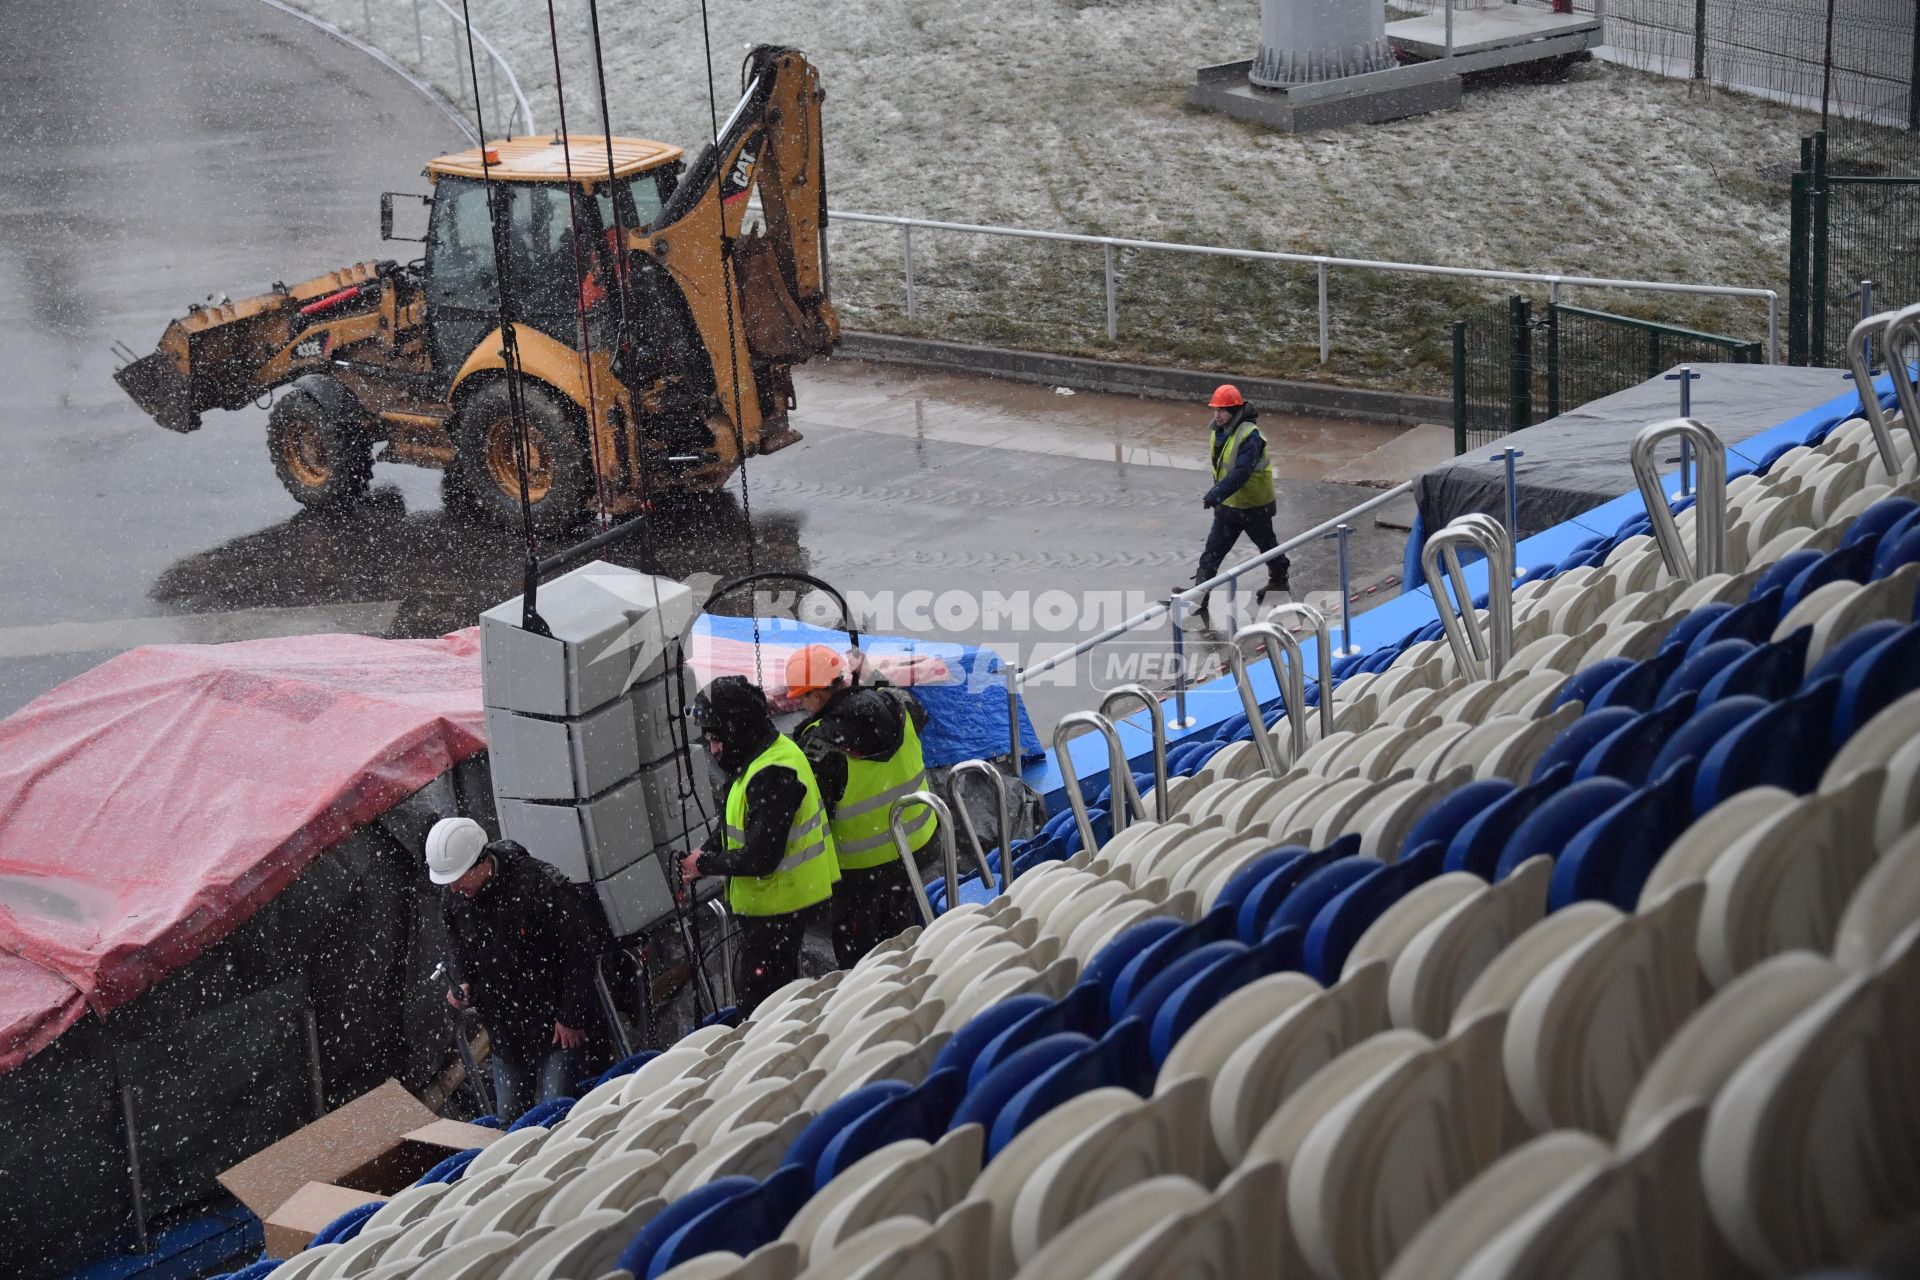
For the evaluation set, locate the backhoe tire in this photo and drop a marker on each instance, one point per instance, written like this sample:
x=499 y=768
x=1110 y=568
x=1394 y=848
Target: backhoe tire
x=324 y=459
x=560 y=468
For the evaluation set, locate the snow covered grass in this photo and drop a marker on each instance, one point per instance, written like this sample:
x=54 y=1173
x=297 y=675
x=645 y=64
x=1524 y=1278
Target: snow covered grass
x=1071 y=115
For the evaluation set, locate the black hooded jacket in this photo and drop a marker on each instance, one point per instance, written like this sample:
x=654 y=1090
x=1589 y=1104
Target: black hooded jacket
x=526 y=942
x=773 y=797
x=868 y=721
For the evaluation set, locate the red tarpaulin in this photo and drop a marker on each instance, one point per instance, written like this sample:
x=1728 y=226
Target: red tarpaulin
x=152 y=805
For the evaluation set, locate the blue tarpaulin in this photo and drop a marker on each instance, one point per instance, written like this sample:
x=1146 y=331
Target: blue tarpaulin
x=966 y=703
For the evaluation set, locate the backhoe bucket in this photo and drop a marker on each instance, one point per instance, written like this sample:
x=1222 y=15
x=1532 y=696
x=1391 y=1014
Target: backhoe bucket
x=158 y=387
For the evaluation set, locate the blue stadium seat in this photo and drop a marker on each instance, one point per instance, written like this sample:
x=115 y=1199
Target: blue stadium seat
x=1769 y=671
x=1707 y=726
x=1787 y=745
x=1558 y=819
x=1476 y=846
x=637 y=1258
x=1338 y=925
x=1880 y=676
x=1589 y=680
x=1628 y=752
x=1444 y=819
x=813 y=1141
x=1639 y=685
x=924 y=1112
x=738 y=1224
x=1611 y=857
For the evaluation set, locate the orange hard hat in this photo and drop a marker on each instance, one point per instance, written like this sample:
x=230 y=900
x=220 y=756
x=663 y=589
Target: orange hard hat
x=814 y=668
x=1226 y=396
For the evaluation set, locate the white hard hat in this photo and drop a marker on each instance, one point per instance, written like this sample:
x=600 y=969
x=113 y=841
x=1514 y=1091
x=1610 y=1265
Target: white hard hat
x=453 y=846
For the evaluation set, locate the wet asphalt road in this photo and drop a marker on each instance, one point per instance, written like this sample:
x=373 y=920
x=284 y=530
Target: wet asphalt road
x=153 y=151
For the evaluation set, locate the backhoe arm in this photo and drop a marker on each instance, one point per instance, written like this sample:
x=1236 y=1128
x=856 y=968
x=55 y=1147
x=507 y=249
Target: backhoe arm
x=760 y=300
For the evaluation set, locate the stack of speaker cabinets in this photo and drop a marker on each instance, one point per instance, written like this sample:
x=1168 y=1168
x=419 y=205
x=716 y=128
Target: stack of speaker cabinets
x=583 y=730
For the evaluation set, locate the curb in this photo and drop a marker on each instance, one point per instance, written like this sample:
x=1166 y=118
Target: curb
x=1153 y=381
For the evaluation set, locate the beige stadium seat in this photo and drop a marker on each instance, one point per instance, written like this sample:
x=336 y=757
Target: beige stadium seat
x=1262 y=1074
x=1134 y=1140
x=952 y=1248
x=1885 y=906
x=1811 y=1152
x=1786 y=886
x=619 y=1184
x=1380 y=1161
x=1583 y=1032
x=586 y=1245
x=903 y=1179
x=1436 y=967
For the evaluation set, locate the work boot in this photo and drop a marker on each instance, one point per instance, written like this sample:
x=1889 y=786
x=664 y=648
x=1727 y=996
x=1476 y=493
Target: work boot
x=1276 y=591
x=1197 y=607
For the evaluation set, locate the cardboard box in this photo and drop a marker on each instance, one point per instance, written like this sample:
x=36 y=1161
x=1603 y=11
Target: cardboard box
x=374 y=1146
x=612 y=628
x=307 y=1212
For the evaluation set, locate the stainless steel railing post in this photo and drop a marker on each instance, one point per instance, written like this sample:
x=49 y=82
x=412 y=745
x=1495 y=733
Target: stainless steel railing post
x=1118 y=774
x=1472 y=651
x=981 y=769
x=1158 y=718
x=1710 y=504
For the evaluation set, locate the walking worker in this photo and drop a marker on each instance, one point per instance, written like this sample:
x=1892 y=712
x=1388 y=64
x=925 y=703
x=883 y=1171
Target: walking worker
x=524 y=942
x=863 y=741
x=772 y=844
x=1241 y=498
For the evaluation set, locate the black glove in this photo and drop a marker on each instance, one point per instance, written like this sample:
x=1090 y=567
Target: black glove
x=1209 y=502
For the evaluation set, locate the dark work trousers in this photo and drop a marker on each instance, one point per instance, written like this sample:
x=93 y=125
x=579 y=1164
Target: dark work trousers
x=515 y=1087
x=767 y=953
x=1228 y=524
x=869 y=906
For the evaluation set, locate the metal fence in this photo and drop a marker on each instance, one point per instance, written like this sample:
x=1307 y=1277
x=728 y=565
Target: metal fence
x=1854 y=60
x=1854 y=249
x=1511 y=370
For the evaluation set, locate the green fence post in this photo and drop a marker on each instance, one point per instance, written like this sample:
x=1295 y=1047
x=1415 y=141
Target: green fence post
x=1817 y=284
x=1653 y=353
x=1553 y=359
x=1699 y=39
x=1797 y=232
x=1519 y=363
x=1459 y=387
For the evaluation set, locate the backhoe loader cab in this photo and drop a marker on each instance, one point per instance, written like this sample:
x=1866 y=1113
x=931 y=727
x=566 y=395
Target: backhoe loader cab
x=655 y=330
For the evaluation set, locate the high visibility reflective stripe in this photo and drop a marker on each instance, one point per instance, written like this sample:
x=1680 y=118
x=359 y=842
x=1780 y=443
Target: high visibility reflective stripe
x=736 y=835
x=885 y=799
x=865 y=843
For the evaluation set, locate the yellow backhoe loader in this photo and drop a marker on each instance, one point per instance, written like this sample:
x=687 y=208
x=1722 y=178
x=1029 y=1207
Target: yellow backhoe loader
x=694 y=306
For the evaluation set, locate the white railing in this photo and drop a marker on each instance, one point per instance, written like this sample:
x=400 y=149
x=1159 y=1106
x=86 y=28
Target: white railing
x=1323 y=264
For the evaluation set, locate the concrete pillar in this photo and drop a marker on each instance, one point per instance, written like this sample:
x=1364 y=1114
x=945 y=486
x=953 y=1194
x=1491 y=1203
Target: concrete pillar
x=1302 y=41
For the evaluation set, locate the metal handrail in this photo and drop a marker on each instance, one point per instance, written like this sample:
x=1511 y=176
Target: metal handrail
x=1710 y=500
x=949 y=852
x=1902 y=328
x=981 y=769
x=1458 y=618
x=1322 y=264
x=1159 y=609
x=494 y=58
x=1157 y=716
x=1118 y=774
x=1323 y=653
x=1857 y=339
x=1288 y=678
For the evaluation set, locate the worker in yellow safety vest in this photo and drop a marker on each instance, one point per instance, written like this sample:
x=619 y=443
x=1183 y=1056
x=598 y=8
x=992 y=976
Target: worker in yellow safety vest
x=1241 y=498
x=863 y=740
x=773 y=843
